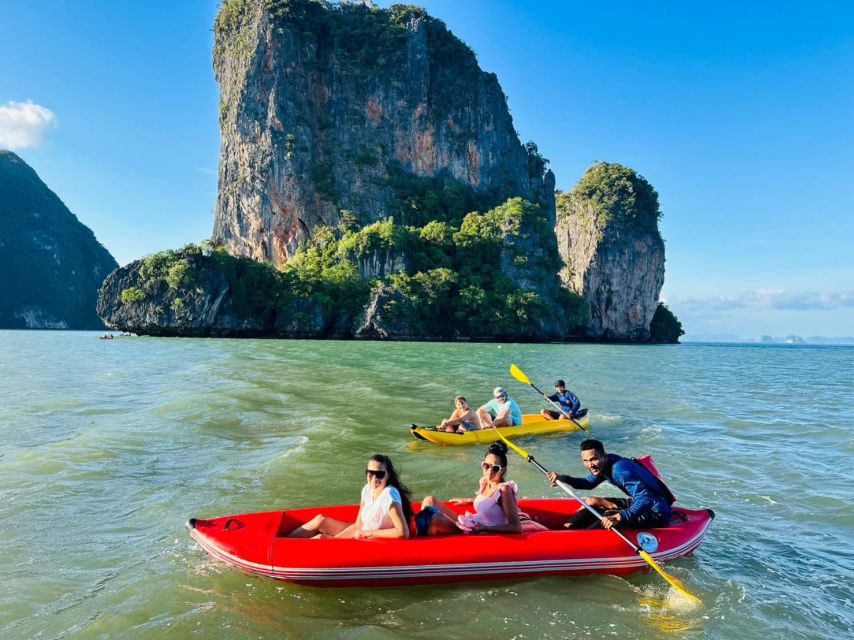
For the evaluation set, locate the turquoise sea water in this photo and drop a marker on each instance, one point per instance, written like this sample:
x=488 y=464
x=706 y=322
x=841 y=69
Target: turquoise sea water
x=107 y=447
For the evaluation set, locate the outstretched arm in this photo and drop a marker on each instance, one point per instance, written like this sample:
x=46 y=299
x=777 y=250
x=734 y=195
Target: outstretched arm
x=575 y=483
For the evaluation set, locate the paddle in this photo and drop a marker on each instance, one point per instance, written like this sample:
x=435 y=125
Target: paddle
x=675 y=582
x=516 y=372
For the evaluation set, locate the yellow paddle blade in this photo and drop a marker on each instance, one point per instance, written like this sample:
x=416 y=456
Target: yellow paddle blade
x=676 y=583
x=516 y=372
x=518 y=450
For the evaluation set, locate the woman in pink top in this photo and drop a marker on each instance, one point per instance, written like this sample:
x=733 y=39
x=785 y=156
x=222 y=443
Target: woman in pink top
x=495 y=507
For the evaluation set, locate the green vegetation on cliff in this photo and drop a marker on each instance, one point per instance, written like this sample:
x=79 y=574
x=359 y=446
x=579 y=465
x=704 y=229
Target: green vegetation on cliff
x=455 y=280
x=485 y=277
x=466 y=280
x=421 y=199
x=665 y=327
x=367 y=38
x=256 y=290
x=612 y=194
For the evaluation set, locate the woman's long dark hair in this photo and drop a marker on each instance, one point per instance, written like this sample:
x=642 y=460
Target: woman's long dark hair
x=394 y=481
x=499 y=450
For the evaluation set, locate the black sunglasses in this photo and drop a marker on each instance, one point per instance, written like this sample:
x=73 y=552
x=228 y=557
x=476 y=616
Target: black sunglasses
x=379 y=475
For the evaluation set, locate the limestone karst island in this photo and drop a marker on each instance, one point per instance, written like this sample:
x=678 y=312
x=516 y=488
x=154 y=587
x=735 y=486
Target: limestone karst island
x=372 y=185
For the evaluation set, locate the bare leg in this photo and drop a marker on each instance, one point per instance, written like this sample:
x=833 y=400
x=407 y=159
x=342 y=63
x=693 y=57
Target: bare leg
x=346 y=532
x=319 y=524
x=485 y=418
x=506 y=421
x=583 y=519
x=444 y=522
x=432 y=501
x=545 y=413
x=442 y=525
x=600 y=503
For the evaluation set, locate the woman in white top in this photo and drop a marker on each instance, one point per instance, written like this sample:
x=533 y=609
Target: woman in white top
x=495 y=506
x=384 y=511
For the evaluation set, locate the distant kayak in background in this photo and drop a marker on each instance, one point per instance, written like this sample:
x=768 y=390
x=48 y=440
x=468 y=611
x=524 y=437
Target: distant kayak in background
x=532 y=424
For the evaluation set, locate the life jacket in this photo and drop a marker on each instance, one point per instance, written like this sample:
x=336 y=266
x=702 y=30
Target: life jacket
x=647 y=463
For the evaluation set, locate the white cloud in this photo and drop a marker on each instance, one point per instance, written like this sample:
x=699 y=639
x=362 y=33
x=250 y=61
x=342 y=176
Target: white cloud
x=770 y=299
x=22 y=124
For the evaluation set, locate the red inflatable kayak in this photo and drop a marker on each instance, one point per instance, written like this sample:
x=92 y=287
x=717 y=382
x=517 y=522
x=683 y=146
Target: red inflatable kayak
x=254 y=542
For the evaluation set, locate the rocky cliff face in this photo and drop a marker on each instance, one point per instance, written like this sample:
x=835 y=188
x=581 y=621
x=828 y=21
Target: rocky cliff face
x=330 y=109
x=372 y=186
x=50 y=264
x=609 y=240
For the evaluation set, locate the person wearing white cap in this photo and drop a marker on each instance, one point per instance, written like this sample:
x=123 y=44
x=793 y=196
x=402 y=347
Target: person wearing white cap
x=501 y=411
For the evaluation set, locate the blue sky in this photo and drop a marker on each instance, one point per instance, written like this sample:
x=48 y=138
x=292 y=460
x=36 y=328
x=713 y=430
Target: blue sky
x=740 y=114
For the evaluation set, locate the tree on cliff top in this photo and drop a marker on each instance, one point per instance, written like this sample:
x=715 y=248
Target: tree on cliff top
x=617 y=194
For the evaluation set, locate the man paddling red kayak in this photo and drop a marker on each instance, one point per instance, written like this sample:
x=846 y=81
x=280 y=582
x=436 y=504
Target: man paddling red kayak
x=648 y=504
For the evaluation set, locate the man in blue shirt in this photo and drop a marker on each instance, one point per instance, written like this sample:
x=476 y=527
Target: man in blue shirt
x=647 y=505
x=569 y=403
x=501 y=411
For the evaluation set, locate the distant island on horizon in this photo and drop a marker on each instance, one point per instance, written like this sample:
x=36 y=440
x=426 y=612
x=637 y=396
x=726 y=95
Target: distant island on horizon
x=766 y=339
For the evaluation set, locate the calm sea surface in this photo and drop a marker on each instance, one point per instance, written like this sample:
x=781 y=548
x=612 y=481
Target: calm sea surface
x=107 y=447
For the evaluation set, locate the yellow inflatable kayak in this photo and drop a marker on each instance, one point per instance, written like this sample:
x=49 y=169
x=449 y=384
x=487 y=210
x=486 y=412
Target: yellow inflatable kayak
x=533 y=424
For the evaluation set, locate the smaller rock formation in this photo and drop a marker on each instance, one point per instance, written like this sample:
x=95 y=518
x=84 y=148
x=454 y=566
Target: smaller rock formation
x=51 y=265
x=608 y=237
x=191 y=293
x=665 y=327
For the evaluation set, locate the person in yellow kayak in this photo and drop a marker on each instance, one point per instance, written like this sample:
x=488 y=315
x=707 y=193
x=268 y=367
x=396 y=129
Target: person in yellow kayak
x=647 y=506
x=570 y=405
x=462 y=419
x=501 y=411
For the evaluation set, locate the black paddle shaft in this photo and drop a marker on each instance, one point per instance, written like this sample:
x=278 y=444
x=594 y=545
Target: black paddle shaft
x=534 y=387
x=535 y=463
